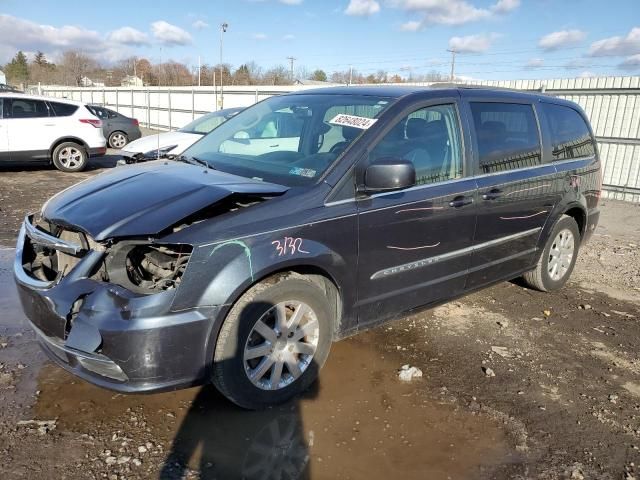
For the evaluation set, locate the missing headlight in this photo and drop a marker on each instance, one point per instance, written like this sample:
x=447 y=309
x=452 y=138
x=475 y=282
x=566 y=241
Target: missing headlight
x=148 y=268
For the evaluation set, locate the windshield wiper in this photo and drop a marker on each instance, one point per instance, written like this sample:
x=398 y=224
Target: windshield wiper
x=195 y=161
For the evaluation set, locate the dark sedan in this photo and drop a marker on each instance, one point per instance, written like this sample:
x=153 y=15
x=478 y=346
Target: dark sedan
x=117 y=128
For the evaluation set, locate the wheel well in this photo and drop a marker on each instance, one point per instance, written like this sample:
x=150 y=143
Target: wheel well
x=68 y=139
x=316 y=275
x=579 y=216
x=118 y=131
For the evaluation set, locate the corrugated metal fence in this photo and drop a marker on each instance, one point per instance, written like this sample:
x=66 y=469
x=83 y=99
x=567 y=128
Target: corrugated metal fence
x=612 y=104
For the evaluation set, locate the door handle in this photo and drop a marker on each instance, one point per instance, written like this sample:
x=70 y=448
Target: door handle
x=492 y=194
x=460 y=202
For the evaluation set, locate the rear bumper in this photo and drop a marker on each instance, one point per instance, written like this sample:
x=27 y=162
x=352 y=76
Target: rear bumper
x=97 y=151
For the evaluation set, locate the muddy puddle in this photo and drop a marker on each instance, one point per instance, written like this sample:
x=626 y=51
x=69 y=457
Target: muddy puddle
x=359 y=421
x=12 y=319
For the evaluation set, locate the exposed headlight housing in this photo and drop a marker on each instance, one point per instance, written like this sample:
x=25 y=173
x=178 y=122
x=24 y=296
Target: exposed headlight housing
x=147 y=268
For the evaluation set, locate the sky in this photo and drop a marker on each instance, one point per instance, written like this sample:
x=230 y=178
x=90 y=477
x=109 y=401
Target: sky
x=494 y=39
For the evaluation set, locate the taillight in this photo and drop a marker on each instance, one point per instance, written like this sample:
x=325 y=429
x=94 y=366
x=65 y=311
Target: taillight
x=136 y=122
x=92 y=121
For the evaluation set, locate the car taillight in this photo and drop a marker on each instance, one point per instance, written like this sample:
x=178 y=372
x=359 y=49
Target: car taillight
x=92 y=121
x=136 y=122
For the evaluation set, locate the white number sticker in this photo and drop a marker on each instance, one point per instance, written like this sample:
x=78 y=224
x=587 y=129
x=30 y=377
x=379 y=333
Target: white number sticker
x=362 y=123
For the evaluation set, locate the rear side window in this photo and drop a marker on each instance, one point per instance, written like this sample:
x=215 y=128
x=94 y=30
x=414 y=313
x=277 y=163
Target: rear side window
x=507 y=136
x=63 y=109
x=28 y=108
x=97 y=111
x=1 y=107
x=570 y=136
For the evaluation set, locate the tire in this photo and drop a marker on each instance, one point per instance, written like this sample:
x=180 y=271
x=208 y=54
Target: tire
x=244 y=329
x=70 y=157
x=118 y=140
x=558 y=257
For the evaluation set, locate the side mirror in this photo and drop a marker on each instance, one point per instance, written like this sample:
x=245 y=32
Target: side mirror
x=389 y=174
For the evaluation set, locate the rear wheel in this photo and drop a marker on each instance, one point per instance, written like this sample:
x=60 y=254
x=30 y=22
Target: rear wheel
x=70 y=157
x=558 y=258
x=118 y=140
x=273 y=343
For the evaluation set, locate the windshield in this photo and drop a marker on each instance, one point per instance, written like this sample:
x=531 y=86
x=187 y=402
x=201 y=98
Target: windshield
x=290 y=140
x=206 y=123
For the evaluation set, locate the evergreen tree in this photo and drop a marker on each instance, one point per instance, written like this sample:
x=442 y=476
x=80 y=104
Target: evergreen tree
x=17 y=70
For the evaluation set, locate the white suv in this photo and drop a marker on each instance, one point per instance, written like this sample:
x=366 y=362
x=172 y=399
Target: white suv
x=61 y=131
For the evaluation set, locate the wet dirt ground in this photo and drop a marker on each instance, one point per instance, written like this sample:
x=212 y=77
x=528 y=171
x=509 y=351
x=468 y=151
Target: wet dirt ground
x=516 y=384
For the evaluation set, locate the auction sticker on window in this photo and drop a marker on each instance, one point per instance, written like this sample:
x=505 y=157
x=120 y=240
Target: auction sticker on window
x=353 y=121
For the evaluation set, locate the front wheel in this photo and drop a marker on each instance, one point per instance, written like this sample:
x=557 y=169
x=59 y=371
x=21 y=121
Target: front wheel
x=558 y=257
x=70 y=157
x=273 y=343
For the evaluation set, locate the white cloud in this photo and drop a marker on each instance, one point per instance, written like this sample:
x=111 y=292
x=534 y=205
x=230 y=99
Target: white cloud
x=20 y=34
x=505 y=6
x=452 y=12
x=473 y=43
x=410 y=26
x=128 y=36
x=288 y=37
x=617 y=46
x=631 y=63
x=362 y=8
x=259 y=36
x=576 y=64
x=291 y=2
x=200 y=25
x=561 y=39
x=535 y=63
x=170 y=34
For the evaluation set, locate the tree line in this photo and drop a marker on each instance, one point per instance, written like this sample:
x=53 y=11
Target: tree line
x=78 y=69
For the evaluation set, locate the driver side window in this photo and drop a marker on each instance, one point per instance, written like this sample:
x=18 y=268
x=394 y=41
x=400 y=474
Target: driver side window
x=430 y=139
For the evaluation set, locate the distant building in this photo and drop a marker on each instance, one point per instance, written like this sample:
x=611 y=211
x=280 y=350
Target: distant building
x=3 y=78
x=132 y=81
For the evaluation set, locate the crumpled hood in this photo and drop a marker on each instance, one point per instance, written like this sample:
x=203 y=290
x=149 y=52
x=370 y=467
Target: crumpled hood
x=145 y=199
x=152 y=142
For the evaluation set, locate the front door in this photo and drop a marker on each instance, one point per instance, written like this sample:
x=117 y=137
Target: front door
x=414 y=244
x=515 y=190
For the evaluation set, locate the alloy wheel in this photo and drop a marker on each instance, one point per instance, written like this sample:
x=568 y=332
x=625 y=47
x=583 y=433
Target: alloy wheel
x=561 y=254
x=281 y=345
x=70 y=157
x=118 y=140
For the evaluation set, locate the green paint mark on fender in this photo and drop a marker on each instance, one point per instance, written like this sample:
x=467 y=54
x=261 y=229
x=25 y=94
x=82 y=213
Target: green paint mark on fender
x=240 y=243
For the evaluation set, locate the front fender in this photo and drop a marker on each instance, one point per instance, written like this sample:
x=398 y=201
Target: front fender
x=218 y=274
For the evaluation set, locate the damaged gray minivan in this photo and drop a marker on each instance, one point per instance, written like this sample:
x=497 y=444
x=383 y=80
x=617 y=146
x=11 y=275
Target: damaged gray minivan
x=300 y=221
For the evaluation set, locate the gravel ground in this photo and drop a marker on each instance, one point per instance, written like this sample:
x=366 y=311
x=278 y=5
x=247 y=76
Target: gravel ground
x=515 y=384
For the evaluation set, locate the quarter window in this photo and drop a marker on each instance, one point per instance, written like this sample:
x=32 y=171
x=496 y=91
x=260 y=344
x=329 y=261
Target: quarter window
x=27 y=108
x=570 y=135
x=63 y=109
x=430 y=139
x=507 y=136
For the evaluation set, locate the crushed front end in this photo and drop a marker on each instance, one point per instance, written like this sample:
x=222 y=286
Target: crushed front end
x=103 y=310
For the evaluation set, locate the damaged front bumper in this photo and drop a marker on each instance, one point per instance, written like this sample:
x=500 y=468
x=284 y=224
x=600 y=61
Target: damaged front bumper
x=107 y=334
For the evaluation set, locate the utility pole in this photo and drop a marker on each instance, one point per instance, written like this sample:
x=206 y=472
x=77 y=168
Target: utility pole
x=291 y=60
x=223 y=29
x=453 y=63
x=199 y=70
x=350 y=75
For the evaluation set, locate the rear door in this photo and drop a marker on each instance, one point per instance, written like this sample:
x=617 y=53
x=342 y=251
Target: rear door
x=4 y=134
x=515 y=189
x=31 y=130
x=414 y=244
